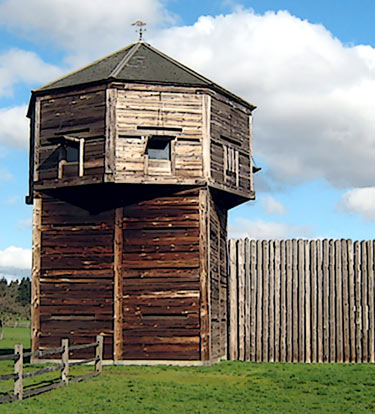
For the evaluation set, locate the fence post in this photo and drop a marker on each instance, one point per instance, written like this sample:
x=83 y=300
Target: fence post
x=65 y=361
x=99 y=354
x=18 y=370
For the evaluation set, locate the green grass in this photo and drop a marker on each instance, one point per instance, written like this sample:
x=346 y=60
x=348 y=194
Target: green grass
x=227 y=387
x=14 y=336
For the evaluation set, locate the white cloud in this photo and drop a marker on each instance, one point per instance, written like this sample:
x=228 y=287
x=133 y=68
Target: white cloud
x=272 y=206
x=263 y=230
x=361 y=201
x=84 y=27
x=315 y=95
x=14 y=127
x=24 y=224
x=23 y=66
x=15 y=257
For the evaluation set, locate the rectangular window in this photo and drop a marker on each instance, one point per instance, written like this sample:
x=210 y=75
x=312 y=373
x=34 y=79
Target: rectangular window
x=72 y=152
x=159 y=148
x=231 y=165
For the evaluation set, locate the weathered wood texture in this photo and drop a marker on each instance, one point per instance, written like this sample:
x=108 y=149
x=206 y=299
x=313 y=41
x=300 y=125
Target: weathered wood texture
x=76 y=275
x=80 y=114
x=310 y=301
x=161 y=278
x=230 y=145
x=177 y=115
x=218 y=279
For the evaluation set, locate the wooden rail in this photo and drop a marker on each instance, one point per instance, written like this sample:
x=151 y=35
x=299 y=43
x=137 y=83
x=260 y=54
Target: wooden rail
x=18 y=375
x=302 y=301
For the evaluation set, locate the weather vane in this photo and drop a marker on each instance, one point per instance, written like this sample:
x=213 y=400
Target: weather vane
x=140 y=29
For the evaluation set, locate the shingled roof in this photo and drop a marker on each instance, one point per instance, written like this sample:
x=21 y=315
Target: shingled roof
x=138 y=62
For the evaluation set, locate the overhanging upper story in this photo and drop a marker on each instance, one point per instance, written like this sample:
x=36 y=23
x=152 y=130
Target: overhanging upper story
x=139 y=117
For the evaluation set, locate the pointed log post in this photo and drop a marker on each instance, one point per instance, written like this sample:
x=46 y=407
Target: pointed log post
x=65 y=360
x=18 y=370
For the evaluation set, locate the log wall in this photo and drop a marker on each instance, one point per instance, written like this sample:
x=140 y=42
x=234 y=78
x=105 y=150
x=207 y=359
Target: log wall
x=76 y=275
x=218 y=280
x=302 y=301
x=161 y=278
x=230 y=153
x=158 y=111
x=79 y=114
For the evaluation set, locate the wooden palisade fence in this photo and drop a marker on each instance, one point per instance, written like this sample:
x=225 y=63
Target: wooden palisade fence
x=18 y=375
x=301 y=301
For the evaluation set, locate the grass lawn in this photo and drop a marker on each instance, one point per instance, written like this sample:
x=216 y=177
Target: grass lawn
x=227 y=387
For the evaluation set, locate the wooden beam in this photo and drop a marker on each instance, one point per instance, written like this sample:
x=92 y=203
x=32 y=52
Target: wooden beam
x=111 y=132
x=81 y=157
x=118 y=294
x=35 y=283
x=205 y=328
x=251 y=152
x=36 y=140
x=206 y=136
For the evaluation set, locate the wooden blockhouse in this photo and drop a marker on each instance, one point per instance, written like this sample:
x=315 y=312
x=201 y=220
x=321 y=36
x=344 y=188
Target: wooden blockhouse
x=134 y=162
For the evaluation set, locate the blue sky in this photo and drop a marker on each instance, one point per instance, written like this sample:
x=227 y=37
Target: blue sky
x=308 y=66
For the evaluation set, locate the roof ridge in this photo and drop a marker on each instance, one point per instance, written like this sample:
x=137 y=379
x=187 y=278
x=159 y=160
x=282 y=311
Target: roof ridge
x=83 y=68
x=125 y=60
x=180 y=65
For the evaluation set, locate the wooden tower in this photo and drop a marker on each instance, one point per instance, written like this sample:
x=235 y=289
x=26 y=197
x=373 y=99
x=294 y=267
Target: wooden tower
x=134 y=162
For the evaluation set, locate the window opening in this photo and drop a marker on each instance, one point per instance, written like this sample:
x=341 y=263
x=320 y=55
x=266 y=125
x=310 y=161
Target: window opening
x=72 y=152
x=159 y=148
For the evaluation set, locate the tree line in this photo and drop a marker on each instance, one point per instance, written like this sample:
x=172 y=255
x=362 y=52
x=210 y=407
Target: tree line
x=15 y=300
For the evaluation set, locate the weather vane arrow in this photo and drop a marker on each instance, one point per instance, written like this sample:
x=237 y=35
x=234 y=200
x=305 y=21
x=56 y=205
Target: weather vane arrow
x=141 y=29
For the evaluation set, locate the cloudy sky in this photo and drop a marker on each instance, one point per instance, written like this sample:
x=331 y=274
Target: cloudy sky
x=308 y=66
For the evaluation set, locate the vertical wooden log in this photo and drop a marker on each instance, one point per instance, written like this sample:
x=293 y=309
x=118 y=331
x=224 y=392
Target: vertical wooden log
x=313 y=304
x=241 y=300
x=289 y=289
x=205 y=311
x=277 y=300
x=265 y=265
x=233 y=337
x=371 y=302
x=118 y=286
x=332 y=303
x=18 y=370
x=320 y=299
x=307 y=309
x=99 y=354
x=283 y=302
x=325 y=301
x=111 y=132
x=271 y=284
x=81 y=167
x=247 y=300
x=295 y=300
x=253 y=299
x=65 y=361
x=206 y=135
x=345 y=300
x=225 y=162
x=251 y=152
x=339 y=307
x=352 y=301
x=36 y=136
x=259 y=301
x=364 y=302
x=358 y=302
x=301 y=301
x=35 y=278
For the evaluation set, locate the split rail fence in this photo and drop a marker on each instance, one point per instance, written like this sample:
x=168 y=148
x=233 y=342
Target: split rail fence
x=18 y=375
x=301 y=301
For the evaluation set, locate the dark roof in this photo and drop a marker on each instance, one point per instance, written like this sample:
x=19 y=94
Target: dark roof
x=138 y=62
